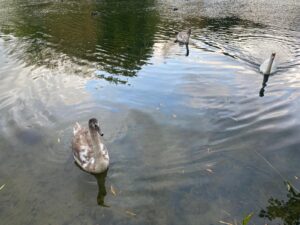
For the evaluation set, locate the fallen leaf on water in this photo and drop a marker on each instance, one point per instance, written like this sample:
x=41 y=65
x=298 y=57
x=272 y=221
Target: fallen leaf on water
x=2 y=187
x=225 y=222
x=130 y=213
x=113 y=190
x=209 y=170
x=296 y=178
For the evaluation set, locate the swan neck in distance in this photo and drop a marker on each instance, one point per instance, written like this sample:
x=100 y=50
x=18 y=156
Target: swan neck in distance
x=268 y=71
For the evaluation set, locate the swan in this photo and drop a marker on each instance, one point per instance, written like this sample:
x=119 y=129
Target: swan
x=183 y=37
x=268 y=66
x=88 y=150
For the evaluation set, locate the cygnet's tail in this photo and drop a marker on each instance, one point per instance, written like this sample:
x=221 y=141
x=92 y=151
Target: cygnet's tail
x=76 y=128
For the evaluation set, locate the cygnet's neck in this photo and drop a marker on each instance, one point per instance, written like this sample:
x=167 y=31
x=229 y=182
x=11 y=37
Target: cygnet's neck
x=96 y=140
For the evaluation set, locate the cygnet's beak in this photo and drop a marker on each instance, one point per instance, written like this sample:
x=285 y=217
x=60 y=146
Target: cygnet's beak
x=98 y=130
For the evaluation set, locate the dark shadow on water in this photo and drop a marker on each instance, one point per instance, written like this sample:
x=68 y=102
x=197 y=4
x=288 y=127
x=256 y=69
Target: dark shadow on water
x=287 y=210
x=223 y=25
x=100 y=178
x=264 y=84
x=186 y=47
x=101 y=188
x=216 y=24
x=187 y=50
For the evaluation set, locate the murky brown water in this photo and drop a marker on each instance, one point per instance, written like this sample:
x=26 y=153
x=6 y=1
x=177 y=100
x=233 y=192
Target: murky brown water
x=190 y=139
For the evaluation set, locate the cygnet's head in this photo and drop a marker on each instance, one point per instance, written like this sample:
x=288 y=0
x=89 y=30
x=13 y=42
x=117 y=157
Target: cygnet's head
x=94 y=126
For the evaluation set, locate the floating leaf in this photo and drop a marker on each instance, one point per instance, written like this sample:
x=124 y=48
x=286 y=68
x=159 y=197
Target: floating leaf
x=209 y=170
x=113 y=190
x=2 y=187
x=247 y=219
x=130 y=213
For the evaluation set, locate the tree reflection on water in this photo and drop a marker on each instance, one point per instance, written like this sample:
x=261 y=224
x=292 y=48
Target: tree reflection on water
x=288 y=211
x=117 y=41
x=264 y=84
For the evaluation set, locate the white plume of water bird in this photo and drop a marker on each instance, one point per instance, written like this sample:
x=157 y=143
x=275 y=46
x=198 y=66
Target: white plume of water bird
x=269 y=65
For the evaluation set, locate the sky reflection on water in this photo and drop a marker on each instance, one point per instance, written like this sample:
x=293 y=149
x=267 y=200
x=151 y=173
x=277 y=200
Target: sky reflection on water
x=190 y=140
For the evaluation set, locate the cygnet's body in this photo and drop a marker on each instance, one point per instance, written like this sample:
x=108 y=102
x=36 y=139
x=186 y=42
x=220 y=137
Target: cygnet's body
x=88 y=150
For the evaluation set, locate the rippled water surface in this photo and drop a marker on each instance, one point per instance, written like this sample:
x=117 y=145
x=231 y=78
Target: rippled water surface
x=192 y=140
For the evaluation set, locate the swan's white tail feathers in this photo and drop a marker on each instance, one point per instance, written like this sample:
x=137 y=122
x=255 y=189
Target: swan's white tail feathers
x=76 y=128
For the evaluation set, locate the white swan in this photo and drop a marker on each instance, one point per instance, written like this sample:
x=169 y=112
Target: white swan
x=268 y=66
x=88 y=150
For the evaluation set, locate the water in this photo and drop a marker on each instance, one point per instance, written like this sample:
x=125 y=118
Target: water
x=190 y=139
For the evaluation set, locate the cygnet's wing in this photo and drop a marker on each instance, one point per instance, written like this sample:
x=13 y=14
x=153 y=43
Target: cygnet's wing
x=182 y=37
x=82 y=146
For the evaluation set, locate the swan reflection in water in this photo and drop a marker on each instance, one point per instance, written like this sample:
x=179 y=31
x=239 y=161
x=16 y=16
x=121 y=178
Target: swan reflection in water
x=267 y=68
x=101 y=188
x=186 y=46
x=100 y=178
x=264 y=84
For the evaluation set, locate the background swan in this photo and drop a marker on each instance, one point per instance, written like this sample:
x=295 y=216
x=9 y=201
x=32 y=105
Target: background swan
x=88 y=150
x=183 y=37
x=268 y=66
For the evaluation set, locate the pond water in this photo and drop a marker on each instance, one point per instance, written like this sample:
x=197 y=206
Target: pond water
x=192 y=140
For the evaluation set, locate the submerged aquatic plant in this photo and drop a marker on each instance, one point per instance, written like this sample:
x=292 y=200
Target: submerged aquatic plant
x=247 y=219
